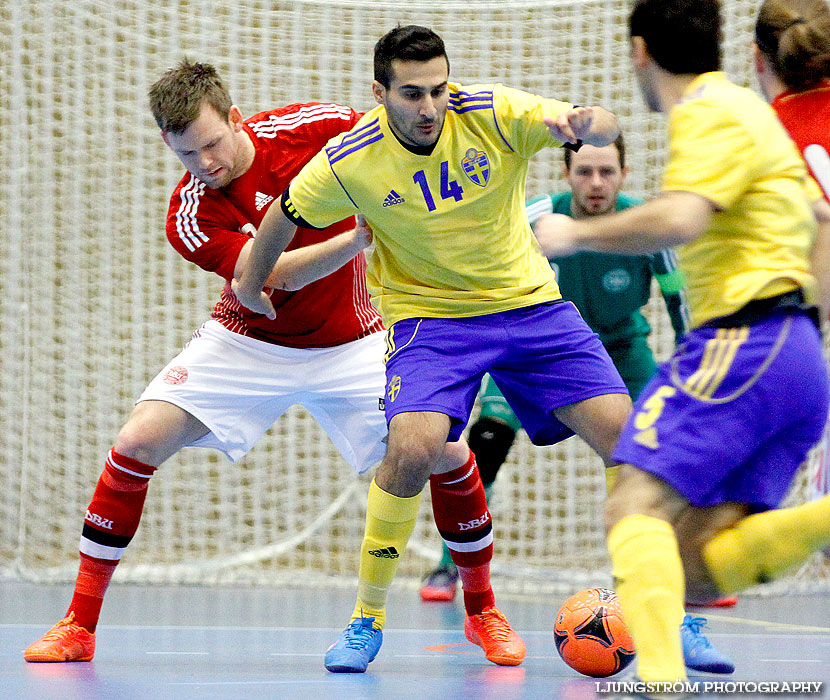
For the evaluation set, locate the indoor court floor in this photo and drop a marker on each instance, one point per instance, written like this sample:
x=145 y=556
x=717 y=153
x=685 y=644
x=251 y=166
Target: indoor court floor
x=187 y=643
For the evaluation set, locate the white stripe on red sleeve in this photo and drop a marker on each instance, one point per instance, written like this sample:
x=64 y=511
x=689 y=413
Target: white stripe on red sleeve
x=269 y=127
x=187 y=225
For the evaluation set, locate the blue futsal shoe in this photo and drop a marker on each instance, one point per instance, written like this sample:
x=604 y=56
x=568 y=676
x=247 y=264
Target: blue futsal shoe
x=356 y=646
x=698 y=652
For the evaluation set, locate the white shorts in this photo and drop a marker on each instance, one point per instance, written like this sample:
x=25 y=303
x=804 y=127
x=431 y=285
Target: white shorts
x=238 y=387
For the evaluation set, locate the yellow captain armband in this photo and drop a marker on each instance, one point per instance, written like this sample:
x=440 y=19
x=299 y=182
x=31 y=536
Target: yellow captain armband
x=291 y=212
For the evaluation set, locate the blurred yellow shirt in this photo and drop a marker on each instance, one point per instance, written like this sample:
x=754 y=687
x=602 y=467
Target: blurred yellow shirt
x=728 y=145
x=450 y=230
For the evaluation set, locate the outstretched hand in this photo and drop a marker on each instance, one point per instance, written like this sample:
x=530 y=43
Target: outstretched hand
x=258 y=301
x=573 y=125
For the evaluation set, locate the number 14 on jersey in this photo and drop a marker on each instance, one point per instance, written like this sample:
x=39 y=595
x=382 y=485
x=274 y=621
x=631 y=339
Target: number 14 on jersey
x=448 y=188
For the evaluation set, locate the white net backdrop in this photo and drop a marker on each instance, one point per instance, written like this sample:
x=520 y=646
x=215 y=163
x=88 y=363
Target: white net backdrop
x=94 y=301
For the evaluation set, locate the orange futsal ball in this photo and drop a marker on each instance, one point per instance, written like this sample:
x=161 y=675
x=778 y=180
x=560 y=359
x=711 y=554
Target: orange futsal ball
x=591 y=635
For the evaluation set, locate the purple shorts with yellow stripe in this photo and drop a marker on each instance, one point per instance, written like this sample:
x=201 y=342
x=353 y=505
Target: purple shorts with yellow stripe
x=542 y=357
x=732 y=415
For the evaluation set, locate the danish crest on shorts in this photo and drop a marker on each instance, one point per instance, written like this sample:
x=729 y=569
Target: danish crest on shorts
x=394 y=388
x=175 y=375
x=477 y=166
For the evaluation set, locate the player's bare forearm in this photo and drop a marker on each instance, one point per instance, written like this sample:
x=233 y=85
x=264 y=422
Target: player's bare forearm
x=820 y=256
x=297 y=268
x=670 y=219
x=274 y=235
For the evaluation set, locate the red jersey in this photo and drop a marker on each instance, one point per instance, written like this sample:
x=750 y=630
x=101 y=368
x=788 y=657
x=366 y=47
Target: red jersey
x=210 y=226
x=806 y=116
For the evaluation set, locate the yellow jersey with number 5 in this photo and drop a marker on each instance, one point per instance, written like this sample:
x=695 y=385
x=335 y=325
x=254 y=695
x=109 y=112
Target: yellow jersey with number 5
x=727 y=144
x=450 y=231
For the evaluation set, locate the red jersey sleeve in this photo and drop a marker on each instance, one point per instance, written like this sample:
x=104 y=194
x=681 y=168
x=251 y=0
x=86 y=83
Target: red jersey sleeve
x=204 y=228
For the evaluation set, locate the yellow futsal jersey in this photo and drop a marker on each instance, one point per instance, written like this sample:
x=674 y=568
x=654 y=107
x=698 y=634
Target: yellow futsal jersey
x=727 y=145
x=450 y=230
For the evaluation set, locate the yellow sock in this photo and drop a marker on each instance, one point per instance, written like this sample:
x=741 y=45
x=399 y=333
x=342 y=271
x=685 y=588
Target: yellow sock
x=761 y=547
x=649 y=581
x=611 y=477
x=390 y=521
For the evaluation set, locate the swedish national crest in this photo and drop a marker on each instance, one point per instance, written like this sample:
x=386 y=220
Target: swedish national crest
x=393 y=388
x=476 y=165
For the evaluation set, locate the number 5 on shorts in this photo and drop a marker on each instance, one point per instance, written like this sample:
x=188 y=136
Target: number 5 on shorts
x=648 y=415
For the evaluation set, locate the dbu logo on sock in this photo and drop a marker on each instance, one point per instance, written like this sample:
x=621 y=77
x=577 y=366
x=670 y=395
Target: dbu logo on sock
x=477 y=522
x=97 y=520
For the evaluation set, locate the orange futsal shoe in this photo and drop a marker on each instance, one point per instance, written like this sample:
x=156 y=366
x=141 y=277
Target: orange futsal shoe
x=440 y=585
x=493 y=633
x=66 y=641
x=726 y=601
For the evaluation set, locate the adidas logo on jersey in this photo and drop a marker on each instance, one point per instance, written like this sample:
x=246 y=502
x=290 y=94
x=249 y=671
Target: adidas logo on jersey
x=392 y=199
x=262 y=200
x=385 y=553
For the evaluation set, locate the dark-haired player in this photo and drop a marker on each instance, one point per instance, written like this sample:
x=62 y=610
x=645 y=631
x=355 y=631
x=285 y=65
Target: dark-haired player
x=439 y=171
x=715 y=439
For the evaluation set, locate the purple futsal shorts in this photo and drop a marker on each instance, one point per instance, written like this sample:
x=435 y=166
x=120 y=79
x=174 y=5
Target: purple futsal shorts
x=542 y=357
x=733 y=413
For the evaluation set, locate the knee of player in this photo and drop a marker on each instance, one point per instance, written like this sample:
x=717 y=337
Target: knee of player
x=407 y=465
x=417 y=458
x=143 y=442
x=402 y=478
x=135 y=445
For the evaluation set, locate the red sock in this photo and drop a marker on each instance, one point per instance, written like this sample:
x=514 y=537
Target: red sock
x=110 y=523
x=459 y=507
